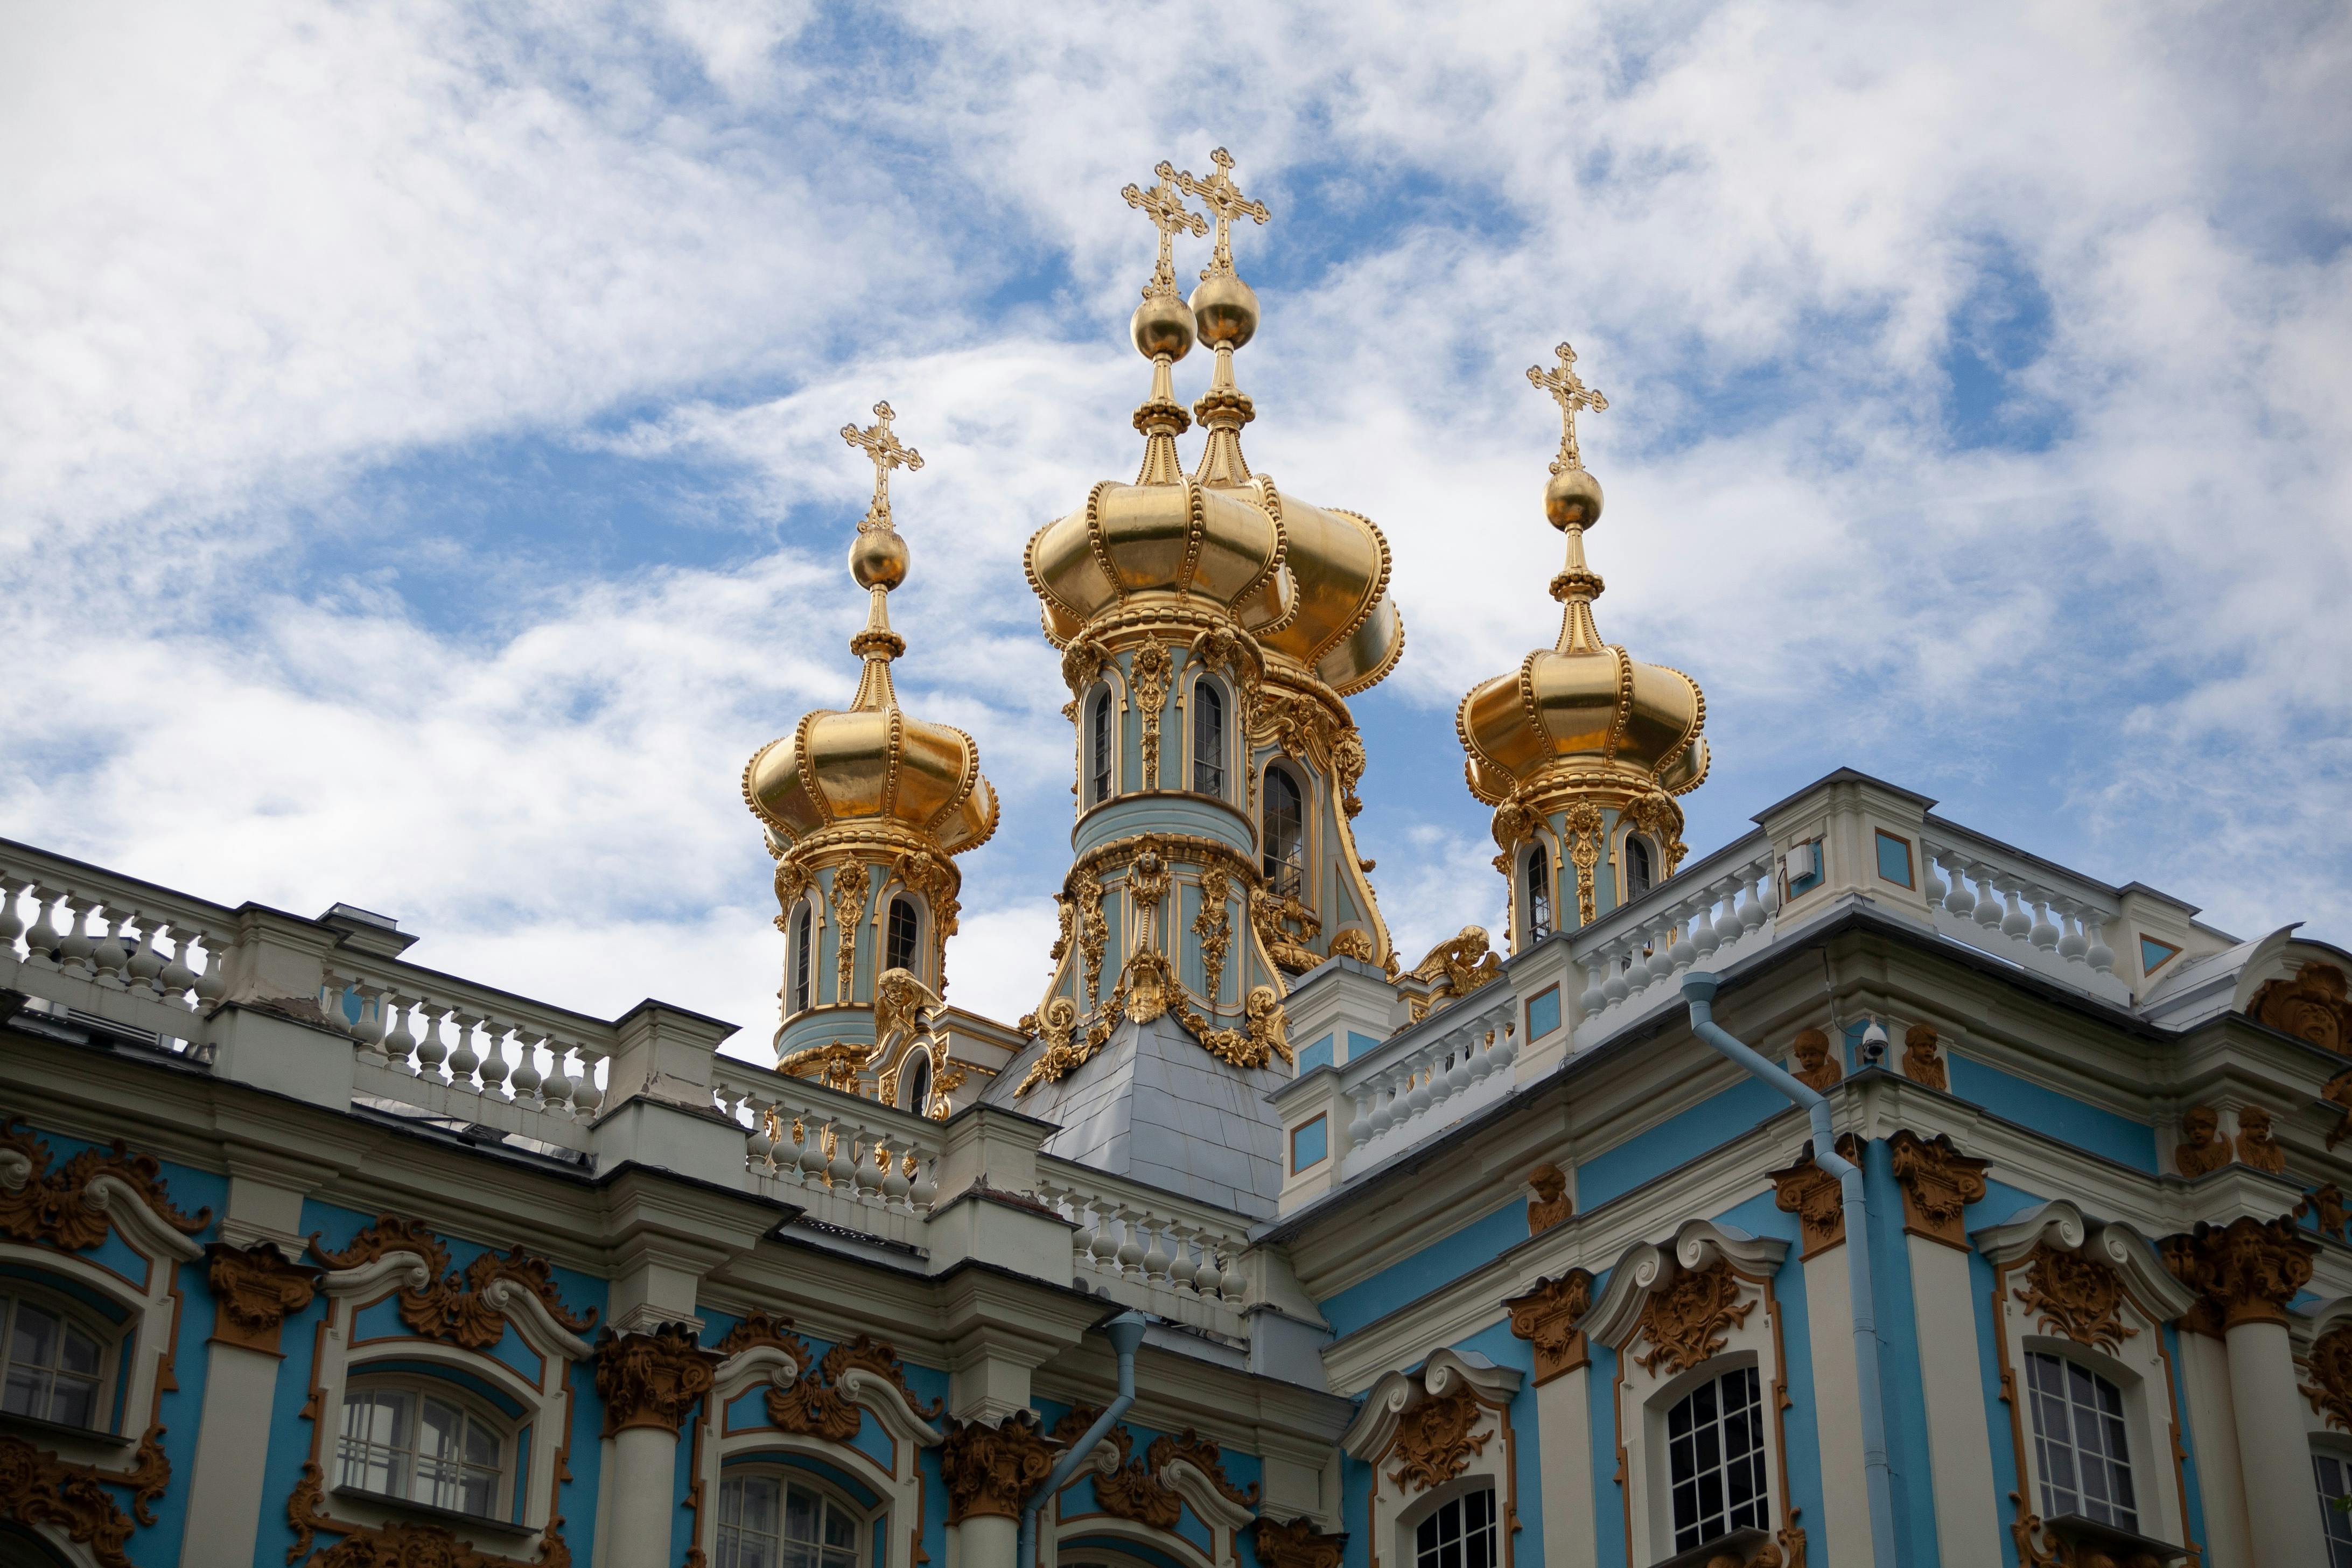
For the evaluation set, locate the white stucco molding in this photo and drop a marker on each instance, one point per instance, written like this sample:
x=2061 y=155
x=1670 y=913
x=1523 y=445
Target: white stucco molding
x=535 y=1322
x=1187 y=1480
x=871 y=1391
x=407 y=1269
x=1696 y=1244
x=146 y=1231
x=1369 y=1435
x=2064 y=1228
x=748 y=1368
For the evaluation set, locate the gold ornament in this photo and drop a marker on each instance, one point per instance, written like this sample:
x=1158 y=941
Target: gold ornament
x=1816 y=1068
x=456 y=1305
x=992 y=1470
x=1938 y=1183
x=2314 y=1007
x=1435 y=1440
x=1214 y=926
x=2077 y=1296
x=1551 y=1204
x=1547 y=1316
x=1690 y=1318
x=1148 y=672
x=2330 y=1389
x=878 y=442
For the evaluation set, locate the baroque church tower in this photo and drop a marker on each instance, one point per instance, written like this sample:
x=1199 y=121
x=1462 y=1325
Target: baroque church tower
x=1582 y=748
x=1212 y=628
x=866 y=810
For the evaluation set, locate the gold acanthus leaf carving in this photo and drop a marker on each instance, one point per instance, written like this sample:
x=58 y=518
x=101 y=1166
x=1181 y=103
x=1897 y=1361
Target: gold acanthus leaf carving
x=1938 y=1183
x=1815 y=1197
x=37 y=1487
x=1214 y=926
x=1269 y=912
x=1546 y=1317
x=1354 y=942
x=1690 y=1318
x=455 y=1306
x=1435 y=1440
x=1455 y=967
x=791 y=886
x=1093 y=934
x=2330 y=1388
x=1657 y=815
x=1131 y=1489
x=651 y=1381
x=2316 y=1005
x=255 y=1291
x=2245 y=1272
x=2326 y=1206
x=2079 y=1297
x=992 y=1470
x=1204 y=1456
x=848 y=908
x=2339 y=1093
x=1582 y=822
x=1296 y=1543
x=1063 y=1052
x=815 y=1407
x=54 y=1208
x=1147 y=673
x=758 y=1328
x=936 y=880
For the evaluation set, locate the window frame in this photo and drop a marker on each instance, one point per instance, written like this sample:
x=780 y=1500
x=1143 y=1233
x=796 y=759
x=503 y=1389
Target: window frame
x=1536 y=863
x=915 y=966
x=421 y=1386
x=2336 y=1525
x=1430 y=1508
x=788 y=1477
x=1627 y=847
x=72 y=1316
x=803 y=942
x=2042 y=1442
x=1099 y=746
x=1712 y=1374
x=1204 y=724
x=1280 y=768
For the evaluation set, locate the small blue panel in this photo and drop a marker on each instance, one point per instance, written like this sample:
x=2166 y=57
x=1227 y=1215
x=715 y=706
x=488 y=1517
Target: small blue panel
x=1309 y=1143
x=1893 y=860
x=2155 y=954
x=1543 y=1013
x=2056 y=1115
x=1317 y=1055
x=1358 y=1044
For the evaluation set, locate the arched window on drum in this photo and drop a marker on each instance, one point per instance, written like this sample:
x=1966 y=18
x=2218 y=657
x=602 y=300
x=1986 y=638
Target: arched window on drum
x=1284 y=835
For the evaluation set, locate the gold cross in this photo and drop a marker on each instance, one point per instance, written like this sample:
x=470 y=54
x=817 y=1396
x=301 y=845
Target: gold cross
x=879 y=442
x=1163 y=204
x=1222 y=197
x=1570 y=392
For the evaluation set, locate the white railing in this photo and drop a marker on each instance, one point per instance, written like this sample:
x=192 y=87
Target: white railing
x=847 y=1161
x=1149 y=1249
x=1710 y=914
x=131 y=953
x=2036 y=915
x=1453 y=1064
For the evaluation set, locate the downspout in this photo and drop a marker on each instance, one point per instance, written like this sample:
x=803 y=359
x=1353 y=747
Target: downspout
x=1698 y=990
x=1125 y=1332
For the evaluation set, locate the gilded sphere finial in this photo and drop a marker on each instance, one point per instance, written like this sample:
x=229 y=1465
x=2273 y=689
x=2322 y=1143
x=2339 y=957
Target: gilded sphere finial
x=1162 y=325
x=1225 y=309
x=1573 y=499
x=877 y=559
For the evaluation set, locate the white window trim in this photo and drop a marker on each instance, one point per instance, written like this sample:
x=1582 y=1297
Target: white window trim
x=1222 y=1517
x=360 y=1379
x=1643 y=1396
x=546 y=1401
x=1393 y=1509
x=1187 y=752
x=2139 y=1365
x=899 y=1484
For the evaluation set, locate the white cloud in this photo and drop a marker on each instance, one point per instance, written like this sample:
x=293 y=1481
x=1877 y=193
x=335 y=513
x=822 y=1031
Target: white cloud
x=258 y=254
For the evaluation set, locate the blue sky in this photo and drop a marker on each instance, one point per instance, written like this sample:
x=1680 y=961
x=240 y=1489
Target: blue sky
x=420 y=483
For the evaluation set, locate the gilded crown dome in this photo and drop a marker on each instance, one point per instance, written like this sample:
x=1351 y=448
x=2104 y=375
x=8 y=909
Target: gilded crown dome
x=873 y=767
x=1582 y=715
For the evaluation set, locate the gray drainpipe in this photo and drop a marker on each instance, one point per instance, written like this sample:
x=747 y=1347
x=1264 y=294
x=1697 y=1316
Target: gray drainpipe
x=1125 y=1332
x=1698 y=990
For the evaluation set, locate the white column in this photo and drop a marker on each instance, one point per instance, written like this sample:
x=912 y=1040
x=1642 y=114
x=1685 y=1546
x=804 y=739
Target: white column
x=989 y=1540
x=642 y=1472
x=1564 y=1428
x=1837 y=1409
x=224 y=1502
x=1943 y=1306
x=2205 y=1388
x=2273 y=1452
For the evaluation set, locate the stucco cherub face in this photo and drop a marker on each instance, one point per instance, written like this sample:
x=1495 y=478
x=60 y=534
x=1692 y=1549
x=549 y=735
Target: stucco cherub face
x=2254 y=1122
x=2199 y=1124
x=1549 y=1181
x=1812 y=1048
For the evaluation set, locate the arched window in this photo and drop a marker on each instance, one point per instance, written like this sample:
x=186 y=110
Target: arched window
x=1460 y=1533
x=904 y=925
x=2334 y=1473
x=1208 y=739
x=1099 y=749
x=800 y=960
x=919 y=1083
x=1538 y=894
x=1286 y=835
x=1639 y=877
x=2080 y=1452
x=1714 y=1458
x=54 y=1365
x=765 y=1522
x=407 y=1441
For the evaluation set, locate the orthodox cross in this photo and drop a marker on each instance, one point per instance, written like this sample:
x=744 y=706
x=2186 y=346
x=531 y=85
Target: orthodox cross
x=1222 y=197
x=879 y=442
x=1568 y=390
x=1163 y=204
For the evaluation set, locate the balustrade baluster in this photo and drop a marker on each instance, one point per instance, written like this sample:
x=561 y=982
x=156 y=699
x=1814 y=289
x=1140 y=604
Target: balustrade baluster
x=527 y=1078
x=2099 y=956
x=926 y=1189
x=2016 y=922
x=212 y=984
x=1683 y=952
x=1210 y=1280
x=11 y=926
x=1931 y=862
x=1620 y=982
x=74 y=945
x=399 y=1043
x=1182 y=1272
x=1156 y=1260
x=1959 y=900
x=493 y=1059
x=896 y=1182
x=1595 y=996
x=1360 y=1128
x=108 y=956
x=432 y=1048
x=1103 y=1247
x=464 y=1058
x=144 y=964
x=1131 y=1245
x=760 y=1140
x=41 y=942
x=2072 y=944
x=1417 y=1101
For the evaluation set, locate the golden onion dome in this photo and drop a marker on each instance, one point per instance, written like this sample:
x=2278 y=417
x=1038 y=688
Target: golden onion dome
x=1170 y=540
x=1328 y=609
x=873 y=765
x=1582 y=711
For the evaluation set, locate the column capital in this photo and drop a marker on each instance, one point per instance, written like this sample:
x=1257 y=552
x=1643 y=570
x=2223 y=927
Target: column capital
x=2244 y=1272
x=651 y=1381
x=1815 y=1197
x=992 y=1470
x=1938 y=1183
x=1546 y=1315
x=255 y=1291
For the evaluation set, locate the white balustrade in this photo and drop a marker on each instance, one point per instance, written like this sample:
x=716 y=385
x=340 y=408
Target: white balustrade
x=1989 y=897
x=848 y=1160
x=83 y=940
x=1455 y=1062
x=1147 y=1247
x=1715 y=911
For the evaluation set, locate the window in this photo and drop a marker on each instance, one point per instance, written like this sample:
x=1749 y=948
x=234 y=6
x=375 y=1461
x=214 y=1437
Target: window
x=1460 y=1534
x=765 y=1522
x=1208 y=739
x=801 y=961
x=904 y=925
x=1714 y=1452
x=2335 y=1475
x=1639 y=877
x=2078 y=1443
x=1539 y=895
x=1286 y=835
x=1098 y=748
x=403 y=1443
x=53 y=1364
x=919 y=1083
